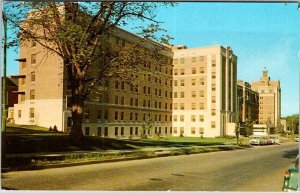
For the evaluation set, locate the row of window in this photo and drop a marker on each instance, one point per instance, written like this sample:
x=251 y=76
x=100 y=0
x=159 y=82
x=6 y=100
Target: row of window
x=193 y=82
x=193 y=60
x=193 y=118
x=192 y=130
x=120 y=131
x=193 y=94
x=200 y=70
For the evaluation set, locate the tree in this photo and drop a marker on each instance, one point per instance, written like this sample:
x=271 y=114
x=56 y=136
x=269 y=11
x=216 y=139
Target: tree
x=292 y=123
x=147 y=125
x=78 y=33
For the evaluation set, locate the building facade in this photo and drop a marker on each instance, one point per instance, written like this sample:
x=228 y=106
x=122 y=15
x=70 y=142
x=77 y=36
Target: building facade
x=204 y=91
x=122 y=110
x=248 y=102
x=269 y=99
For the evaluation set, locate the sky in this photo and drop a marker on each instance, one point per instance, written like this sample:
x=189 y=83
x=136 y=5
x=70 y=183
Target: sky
x=260 y=35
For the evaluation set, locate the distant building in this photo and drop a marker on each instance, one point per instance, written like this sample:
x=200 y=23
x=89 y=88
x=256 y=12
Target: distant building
x=204 y=91
x=248 y=102
x=269 y=99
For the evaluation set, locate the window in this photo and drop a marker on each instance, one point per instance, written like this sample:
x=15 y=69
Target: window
x=106 y=115
x=131 y=101
x=22 y=97
x=122 y=85
x=201 y=70
x=144 y=103
x=213 y=112
x=201 y=58
x=201 y=130
x=193 y=82
x=213 y=87
x=193 y=118
x=105 y=131
x=181 y=130
x=131 y=131
x=116 y=131
x=32 y=94
x=159 y=105
x=122 y=100
x=159 y=92
x=181 y=82
x=193 y=94
x=166 y=130
x=201 y=105
x=170 y=130
x=99 y=131
x=193 y=59
x=193 y=130
x=181 y=94
x=33 y=58
x=159 y=117
x=116 y=84
x=87 y=131
x=193 y=106
x=122 y=115
x=201 y=81
x=201 y=118
x=31 y=113
x=175 y=71
x=23 y=65
x=149 y=104
x=159 y=130
x=131 y=116
x=166 y=94
x=213 y=124
x=181 y=71
x=182 y=60
x=175 y=106
x=122 y=130
x=23 y=81
x=136 y=116
x=181 y=118
x=33 y=43
x=171 y=106
x=213 y=75
x=136 y=130
x=175 y=61
x=99 y=115
x=149 y=90
x=87 y=114
x=175 y=130
x=193 y=70
x=166 y=105
x=144 y=89
x=175 y=94
x=32 y=76
x=137 y=88
x=175 y=118
x=19 y=113
x=201 y=93
x=166 y=118
x=116 y=115
x=213 y=99
x=116 y=100
x=175 y=82
x=181 y=106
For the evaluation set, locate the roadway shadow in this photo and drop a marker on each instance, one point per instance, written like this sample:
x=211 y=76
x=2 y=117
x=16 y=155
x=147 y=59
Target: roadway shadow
x=292 y=154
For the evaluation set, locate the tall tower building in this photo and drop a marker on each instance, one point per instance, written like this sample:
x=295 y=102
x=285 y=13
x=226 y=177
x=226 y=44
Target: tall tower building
x=269 y=99
x=204 y=91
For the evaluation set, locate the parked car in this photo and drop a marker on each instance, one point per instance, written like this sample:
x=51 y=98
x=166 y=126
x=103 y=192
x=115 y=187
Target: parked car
x=290 y=181
x=254 y=141
x=275 y=140
x=296 y=139
x=268 y=140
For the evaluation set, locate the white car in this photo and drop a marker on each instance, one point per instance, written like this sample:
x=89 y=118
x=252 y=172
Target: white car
x=255 y=141
x=275 y=140
x=296 y=139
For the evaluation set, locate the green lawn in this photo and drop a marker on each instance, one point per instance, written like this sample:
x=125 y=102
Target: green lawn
x=33 y=139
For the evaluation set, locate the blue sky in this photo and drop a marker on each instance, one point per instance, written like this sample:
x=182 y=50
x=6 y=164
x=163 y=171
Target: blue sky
x=260 y=34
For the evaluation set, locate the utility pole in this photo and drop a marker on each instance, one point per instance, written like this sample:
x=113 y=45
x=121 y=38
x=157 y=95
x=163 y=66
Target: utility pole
x=4 y=100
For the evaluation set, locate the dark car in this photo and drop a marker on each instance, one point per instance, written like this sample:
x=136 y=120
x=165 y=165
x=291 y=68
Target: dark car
x=290 y=182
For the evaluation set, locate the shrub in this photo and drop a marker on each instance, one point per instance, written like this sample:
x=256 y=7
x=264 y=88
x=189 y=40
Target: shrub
x=181 y=135
x=50 y=129
x=55 y=128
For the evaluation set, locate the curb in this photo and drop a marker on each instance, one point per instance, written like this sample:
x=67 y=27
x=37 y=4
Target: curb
x=164 y=153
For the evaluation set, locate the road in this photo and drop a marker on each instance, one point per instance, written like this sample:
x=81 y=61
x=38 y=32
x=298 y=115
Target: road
x=256 y=169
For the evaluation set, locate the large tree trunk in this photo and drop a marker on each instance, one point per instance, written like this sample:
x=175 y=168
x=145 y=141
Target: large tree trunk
x=77 y=116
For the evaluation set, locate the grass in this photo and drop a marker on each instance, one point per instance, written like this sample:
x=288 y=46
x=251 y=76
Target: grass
x=33 y=139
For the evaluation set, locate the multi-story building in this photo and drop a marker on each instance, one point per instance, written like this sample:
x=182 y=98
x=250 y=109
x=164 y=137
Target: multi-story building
x=122 y=109
x=204 y=91
x=269 y=99
x=248 y=102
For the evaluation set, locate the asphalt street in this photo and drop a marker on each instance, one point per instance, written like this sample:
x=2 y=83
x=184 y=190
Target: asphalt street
x=256 y=169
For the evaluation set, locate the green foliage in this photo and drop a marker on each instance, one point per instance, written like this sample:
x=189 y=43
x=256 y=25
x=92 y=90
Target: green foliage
x=292 y=123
